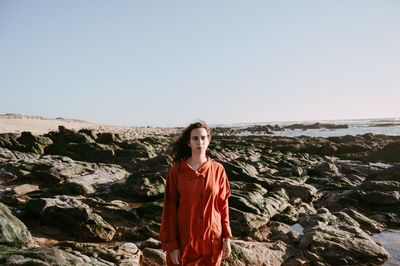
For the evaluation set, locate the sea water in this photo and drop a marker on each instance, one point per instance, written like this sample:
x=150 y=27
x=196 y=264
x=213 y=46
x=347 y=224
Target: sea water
x=386 y=126
x=390 y=240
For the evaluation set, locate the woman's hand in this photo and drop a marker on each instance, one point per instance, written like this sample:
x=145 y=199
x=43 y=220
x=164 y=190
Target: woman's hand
x=226 y=248
x=175 y=256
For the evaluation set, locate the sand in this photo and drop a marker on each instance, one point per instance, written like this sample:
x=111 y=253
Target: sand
x=37 y=125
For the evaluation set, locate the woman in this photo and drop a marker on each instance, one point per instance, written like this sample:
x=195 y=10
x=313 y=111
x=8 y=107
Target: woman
x=195 y=227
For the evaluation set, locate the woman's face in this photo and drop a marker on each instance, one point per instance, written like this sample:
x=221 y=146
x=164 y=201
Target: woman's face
x=199 y=141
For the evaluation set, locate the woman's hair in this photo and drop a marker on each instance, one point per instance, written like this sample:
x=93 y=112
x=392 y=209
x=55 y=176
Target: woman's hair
x=179 y=149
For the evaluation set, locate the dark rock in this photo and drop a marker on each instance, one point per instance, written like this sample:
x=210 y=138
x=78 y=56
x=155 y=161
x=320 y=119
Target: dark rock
x=147 y=182
x=252 y=209
x=338 y=240
x=72 y=215
x=153 y=257
x=43 y=256
x=12 y=231
x=151 y=243
x=324 y=169
x=8 y=140
x=119 y=253
x=257 y=253
x=389 y=153
x=315 y=126
x=108 y=138
x=31 y=143
x=6 y=154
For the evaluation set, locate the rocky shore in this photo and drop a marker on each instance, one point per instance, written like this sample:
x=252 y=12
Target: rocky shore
x=94 y=197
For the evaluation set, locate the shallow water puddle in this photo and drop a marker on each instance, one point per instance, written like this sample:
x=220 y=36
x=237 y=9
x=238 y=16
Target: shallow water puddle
x=296 y=228
x=391 y=242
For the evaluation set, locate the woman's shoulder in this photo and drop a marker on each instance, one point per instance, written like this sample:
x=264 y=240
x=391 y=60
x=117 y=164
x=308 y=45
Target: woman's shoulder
x=176 y=166
x=217 y=164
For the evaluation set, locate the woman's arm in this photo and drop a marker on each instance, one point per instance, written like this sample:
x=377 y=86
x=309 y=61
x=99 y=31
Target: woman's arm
x=223 y=205
x=169 y=220
x=226 y=248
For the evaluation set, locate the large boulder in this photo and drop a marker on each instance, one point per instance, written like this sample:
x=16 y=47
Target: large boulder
x=252 y=207
x=338 y=240
x=251 y=253
x=44 y=256
x=6 y=154
x=117 y=253
x=30 y=143
x=389 y=153
x=147 y=182
x=61 y=175
x=12 y=231
x=73 y=216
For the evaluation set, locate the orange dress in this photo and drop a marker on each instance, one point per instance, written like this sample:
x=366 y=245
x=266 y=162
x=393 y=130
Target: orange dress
x=195 y=215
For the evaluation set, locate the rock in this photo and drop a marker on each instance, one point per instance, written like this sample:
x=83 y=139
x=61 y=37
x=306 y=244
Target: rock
x=73 y=216
x=240 y=172
x=251 y=209
x=12 y=231
x=148 y=180
x=257 y=253
x=385 y=185
x=298 y=261
x=61 y=175
x=153 y=257
x=391 y=173
x=338 y=240
x=105 y=254
x=274 y=180
x=65 y=135
x=98 y=178
x=315 y=126
x=261 y=129
x=368 y=225
x=44 y=256
x=91 y=152
x=6 y=154
x=8 y=140
x=142 y=188
x=389 y=153
x=295 y=171
x=289 y=215
x=128 y=254
x=151 y=243
x=108 y=138
x=31 y=143
x=149 y=211
x=24 y=189
x=324 y=169
x=381 y=198
x=294 y=189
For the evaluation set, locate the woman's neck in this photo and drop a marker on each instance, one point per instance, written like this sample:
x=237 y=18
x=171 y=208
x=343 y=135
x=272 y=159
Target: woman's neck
x=196 y=160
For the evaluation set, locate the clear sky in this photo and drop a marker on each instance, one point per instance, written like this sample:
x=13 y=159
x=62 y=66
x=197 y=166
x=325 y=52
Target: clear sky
x=150 y=62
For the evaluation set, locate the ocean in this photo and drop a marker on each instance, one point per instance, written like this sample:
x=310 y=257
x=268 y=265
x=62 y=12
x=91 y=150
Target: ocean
x=386 y=126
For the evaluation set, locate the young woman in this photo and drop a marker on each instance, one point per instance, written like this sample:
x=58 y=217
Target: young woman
x=195 y=227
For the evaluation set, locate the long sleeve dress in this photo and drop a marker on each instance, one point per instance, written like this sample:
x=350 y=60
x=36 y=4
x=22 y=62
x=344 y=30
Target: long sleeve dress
x=195 y=215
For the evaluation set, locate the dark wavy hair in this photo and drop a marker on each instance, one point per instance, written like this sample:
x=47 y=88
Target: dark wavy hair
x=179 y=148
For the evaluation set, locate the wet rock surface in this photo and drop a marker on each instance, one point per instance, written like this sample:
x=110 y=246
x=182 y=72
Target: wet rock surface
x=95 y=198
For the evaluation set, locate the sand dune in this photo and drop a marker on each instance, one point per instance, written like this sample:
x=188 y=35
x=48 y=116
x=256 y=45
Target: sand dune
x=16 y=123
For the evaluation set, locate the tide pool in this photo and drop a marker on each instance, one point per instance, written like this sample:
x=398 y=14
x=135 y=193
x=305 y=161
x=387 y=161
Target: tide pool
x=391 y=242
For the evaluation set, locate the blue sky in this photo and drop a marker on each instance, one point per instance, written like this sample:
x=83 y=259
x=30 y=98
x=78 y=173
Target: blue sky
x=140 y=63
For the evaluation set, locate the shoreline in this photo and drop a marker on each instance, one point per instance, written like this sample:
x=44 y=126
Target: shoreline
x=37 y=125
